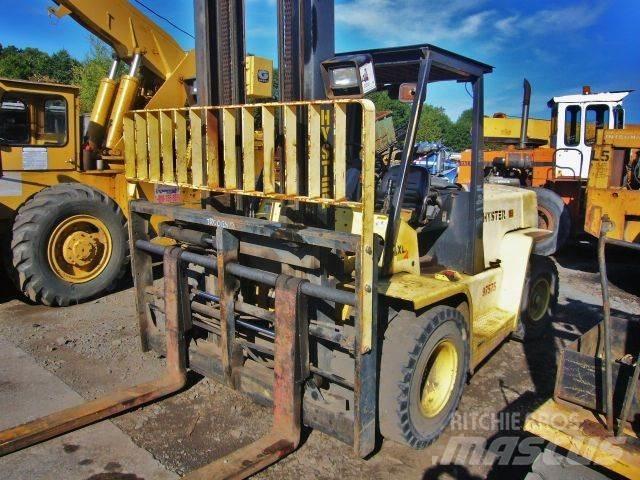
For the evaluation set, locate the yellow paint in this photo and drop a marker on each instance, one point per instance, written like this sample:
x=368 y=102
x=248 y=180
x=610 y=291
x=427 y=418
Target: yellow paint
x=606 y=191
x=406 y=253
x=259 y=75
x=440 y=379
x=563 y=425
x=367 y=285
x=59 y=157
x=506 y=209
x=515 y=249
x=127 y=93
x=509 y=128
x=79 y=248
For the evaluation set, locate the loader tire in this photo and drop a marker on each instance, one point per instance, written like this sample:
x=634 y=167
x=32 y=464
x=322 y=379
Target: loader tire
x=424 y=365
x=539 y=299
x=69 y=244
x=553 y=214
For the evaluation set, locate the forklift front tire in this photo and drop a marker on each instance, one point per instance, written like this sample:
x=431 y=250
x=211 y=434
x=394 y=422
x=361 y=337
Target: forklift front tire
x=69 y=244
x=424 y=365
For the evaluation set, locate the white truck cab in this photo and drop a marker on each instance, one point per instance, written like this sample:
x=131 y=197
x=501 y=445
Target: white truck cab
x=574 y=121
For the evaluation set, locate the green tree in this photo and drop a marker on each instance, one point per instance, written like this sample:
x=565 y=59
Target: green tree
x=399 y=111
x=87 y=75
x=433 y=124
x=34 y=64
x=61 y=66
x=458 y=137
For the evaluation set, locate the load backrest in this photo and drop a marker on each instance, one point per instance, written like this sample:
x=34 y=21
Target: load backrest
x=220 y=149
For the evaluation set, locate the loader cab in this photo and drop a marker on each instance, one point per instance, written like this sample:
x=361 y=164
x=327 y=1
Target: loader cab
x=38 y=126
x=574 y=122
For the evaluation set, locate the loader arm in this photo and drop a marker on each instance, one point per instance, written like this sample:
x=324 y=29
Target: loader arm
x=127 y=30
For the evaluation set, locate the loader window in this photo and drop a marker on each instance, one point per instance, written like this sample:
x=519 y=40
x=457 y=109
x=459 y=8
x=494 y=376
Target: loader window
x=596 y=117
x=618 y=117
x=554 y=125
x=55 y=121
x=572 y=121
x=14 y=121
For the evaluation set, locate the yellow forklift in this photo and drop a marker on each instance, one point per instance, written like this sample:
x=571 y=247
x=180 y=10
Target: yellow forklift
x=355 y=307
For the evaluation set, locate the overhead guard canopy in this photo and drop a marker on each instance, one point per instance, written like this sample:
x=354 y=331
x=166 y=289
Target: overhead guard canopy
x=401 y=65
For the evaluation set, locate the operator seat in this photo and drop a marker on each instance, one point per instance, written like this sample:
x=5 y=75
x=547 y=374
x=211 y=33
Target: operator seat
x=418 y=184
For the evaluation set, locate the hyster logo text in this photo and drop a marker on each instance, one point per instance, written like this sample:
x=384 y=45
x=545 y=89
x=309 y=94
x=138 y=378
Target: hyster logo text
x=495 y=216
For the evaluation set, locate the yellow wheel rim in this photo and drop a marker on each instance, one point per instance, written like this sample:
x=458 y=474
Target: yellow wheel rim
x=439 y=379
x=539 y=299
x=79 y=248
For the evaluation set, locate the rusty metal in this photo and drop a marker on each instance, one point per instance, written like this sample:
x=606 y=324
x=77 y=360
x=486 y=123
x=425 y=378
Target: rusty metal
x=606 y=323
x=268 y=278
x=629 y=397
x=291 y=369
x=330 y=333
x=73 y=418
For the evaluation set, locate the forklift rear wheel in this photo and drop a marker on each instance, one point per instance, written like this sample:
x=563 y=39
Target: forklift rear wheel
x=424 y=364
x=553 y=215
x=539 y=299
x=69 y=244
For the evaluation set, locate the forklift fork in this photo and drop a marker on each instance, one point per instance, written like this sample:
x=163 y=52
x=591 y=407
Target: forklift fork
x=70 y=419
x=291 y=369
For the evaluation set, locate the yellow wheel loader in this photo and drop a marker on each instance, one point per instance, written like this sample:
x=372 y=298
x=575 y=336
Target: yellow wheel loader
x=63 y=194
x=353 y=306
x=594 y=414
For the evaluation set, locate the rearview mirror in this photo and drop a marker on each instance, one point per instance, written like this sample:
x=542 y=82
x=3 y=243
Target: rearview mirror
x=407 y=92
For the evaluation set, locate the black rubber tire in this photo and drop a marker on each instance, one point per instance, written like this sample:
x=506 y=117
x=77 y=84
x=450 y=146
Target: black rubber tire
x=407 y=346
x=32 y=228
x=551 y=204
x=540 y=267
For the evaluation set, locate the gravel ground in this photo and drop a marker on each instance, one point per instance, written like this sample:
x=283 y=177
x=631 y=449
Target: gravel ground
x=94 y=348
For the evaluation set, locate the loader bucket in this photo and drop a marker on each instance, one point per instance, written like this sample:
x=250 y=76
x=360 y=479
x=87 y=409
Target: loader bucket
x=581 y=367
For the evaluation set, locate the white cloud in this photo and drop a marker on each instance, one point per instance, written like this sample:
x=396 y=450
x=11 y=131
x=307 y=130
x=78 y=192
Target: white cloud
x=542 y=22
x=397 y=21
x=455 y=21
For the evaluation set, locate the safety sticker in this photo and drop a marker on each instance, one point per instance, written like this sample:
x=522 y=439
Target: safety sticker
x=368 y=78
x=35 y=158
x=167 y=194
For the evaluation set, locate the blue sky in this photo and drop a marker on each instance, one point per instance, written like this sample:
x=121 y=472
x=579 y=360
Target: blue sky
x=558 y=45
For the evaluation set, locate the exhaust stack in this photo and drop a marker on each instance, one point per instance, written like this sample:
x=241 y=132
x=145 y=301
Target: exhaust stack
x=526 y=101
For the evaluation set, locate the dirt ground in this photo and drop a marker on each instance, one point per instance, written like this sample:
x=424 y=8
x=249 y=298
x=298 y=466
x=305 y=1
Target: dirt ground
x=94 y=348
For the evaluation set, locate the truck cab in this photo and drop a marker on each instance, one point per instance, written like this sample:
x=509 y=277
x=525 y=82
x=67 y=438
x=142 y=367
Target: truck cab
x=574 y=122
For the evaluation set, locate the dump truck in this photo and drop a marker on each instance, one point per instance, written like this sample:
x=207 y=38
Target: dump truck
x=556 y=167
x=353 y=306
x=63 y=193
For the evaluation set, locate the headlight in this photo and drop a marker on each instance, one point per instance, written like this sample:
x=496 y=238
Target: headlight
x=346 y=77
x=349 y=76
